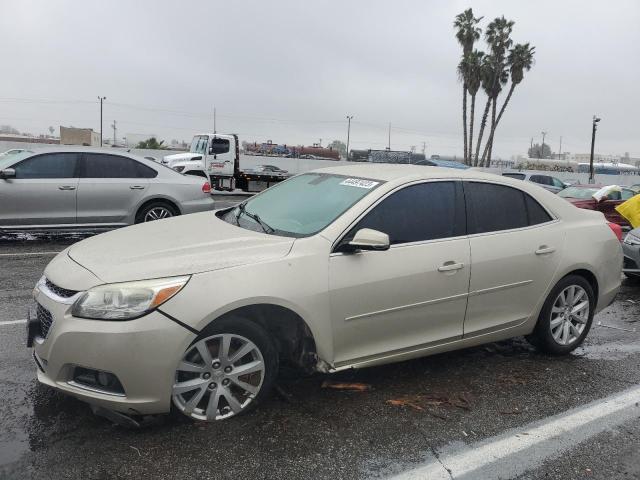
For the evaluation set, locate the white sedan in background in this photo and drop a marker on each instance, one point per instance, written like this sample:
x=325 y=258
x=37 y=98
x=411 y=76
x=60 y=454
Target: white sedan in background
x=339 y=268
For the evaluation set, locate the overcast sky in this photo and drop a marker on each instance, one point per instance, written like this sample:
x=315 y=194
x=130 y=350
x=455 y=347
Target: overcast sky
x=290 y=71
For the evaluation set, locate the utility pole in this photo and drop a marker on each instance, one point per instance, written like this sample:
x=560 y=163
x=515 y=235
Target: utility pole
x=593 y=141
x=113 y=125
x=349 y=117
x=102 y=99
x=214 y=120
x=560 y=150
x=389 y=142
x=541 y=154
x=424 y=148
x=531 y=146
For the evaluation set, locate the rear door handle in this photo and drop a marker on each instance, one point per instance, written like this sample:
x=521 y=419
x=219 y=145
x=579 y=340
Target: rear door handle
x=136 y=187
x=543 y=250
x=450 y=266
x=66 y=187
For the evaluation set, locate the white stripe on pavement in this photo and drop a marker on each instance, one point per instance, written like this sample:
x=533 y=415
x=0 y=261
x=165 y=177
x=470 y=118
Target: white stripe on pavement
x=12 y=322
x=522 y=449
x=28 y=254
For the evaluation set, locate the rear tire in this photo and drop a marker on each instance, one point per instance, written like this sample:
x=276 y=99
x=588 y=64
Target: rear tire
x=208 y=385
x=566 y=316
x=157 y=210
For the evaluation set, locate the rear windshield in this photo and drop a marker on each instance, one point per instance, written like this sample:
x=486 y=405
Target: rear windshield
x=519 y=176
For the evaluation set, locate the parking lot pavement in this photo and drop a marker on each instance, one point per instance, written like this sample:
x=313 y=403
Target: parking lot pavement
x=438 y=412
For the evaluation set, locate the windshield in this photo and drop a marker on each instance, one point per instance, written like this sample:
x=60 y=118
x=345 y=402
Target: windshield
x=574 y=192
x=199 y=144
x=301 y=206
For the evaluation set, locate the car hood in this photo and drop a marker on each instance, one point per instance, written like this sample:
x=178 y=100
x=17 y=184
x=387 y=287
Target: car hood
x=182 y=245
x=180 y=157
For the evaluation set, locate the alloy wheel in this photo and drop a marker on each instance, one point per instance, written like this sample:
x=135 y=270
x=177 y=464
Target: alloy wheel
x=218 y=377
x=157 y=213
x=569 y=315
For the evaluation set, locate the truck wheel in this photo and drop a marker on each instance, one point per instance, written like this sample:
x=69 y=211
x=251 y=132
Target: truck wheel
x=566 y=316
x=228 y=369
x=155 y=211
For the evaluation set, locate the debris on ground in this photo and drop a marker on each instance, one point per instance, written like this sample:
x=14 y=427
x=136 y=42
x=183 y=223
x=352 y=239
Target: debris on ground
x=351 y=387
x=419 y=402
x=515 y=411
x=600 y=324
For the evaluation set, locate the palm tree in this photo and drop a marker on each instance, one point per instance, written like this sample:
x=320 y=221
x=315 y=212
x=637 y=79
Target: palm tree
x=498 y=37
x=493 y=75
x=520 y=59
x=470 y=69
x=467 y=32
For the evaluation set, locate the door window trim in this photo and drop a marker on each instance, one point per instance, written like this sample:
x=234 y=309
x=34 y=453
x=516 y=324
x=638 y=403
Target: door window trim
x=554 y=218
x=458 y=191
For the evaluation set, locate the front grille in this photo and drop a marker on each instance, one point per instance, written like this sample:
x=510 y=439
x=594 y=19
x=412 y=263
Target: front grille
x=45 y=318
x=61 y=292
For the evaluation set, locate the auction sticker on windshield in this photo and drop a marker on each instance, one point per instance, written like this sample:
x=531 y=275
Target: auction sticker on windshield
x=360 y=183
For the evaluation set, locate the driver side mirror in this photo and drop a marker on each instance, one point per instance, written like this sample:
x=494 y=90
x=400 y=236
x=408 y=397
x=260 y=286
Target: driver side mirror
x=367 y=239
x=8 y=173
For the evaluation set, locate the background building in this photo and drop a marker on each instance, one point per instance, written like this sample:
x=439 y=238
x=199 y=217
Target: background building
x=79 y=136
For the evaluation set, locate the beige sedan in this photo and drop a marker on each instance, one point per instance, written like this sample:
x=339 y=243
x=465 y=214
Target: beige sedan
x=339 y=268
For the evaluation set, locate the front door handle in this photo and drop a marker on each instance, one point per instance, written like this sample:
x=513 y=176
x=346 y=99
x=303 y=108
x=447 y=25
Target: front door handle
x=450 y=266
x=136 y=187
x=544 y=250
x=66 y=187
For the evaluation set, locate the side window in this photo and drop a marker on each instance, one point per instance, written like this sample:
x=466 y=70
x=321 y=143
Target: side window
x=50 y=165
x=627 y=194
x=219 y=146
x=492 y=207
x=99 y=165
x=535 y=212
x=541 y=179
x=557 y=183
x=614 y=195
x=426 y=211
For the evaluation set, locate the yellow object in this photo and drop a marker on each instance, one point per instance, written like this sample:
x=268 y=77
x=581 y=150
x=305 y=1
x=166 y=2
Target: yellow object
x=631 y=210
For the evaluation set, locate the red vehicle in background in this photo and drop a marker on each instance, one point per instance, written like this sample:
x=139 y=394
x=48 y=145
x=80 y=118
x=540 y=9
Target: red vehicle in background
x=581 y=197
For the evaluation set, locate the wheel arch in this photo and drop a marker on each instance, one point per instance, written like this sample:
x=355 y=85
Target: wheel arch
x=158 y=198
x=588 y=275
x=294 y=339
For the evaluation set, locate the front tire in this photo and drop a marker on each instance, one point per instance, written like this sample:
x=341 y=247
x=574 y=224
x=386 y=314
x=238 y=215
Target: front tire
x=228 y=369
x=566 y=316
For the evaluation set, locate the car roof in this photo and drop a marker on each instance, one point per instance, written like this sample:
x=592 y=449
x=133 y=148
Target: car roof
x=404 y=172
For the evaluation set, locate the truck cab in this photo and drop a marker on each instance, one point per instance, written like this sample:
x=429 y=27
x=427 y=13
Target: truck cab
x=214 y=156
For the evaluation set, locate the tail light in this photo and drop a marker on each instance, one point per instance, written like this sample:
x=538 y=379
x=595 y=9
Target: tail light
x=206 y=188
x=617 y=229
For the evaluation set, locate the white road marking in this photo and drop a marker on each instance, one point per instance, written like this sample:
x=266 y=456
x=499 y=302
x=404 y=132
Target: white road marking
x=26 y=254
x=13 y=322
x=522 y=449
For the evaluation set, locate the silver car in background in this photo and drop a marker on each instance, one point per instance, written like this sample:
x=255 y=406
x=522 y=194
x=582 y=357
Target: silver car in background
x=631 y=251
x=547 y=182
x=77 y=189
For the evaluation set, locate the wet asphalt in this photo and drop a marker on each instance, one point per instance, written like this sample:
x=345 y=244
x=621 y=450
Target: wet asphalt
x=306 y=431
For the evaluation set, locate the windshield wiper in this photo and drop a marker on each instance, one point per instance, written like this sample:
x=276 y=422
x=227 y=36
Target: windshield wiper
x=241 y=210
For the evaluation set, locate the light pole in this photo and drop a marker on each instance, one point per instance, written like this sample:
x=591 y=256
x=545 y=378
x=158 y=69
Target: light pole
x=544 y=134
x=349 y=117
x=593 y=141
x=102 y=99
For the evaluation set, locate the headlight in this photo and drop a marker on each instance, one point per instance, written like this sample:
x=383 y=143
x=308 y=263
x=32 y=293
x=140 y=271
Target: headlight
x=125 y=301
x=631 y=239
